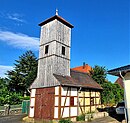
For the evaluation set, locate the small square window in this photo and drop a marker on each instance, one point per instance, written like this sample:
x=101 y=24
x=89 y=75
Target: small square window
x=46 y=49
x=63 y=50
x=71 y=101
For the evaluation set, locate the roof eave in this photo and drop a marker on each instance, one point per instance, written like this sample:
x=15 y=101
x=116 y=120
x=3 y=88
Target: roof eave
x=72 y=85
x=116 y=72
x=58 y=18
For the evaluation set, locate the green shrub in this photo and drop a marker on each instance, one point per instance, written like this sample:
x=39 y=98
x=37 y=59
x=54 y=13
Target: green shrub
x=81 y=117
x=26 y=98
x=2 y=101
x=14 y=99
x=16 y=106
x=65 y=121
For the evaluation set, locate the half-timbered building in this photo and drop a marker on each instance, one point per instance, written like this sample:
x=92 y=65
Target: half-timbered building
x=58 y=91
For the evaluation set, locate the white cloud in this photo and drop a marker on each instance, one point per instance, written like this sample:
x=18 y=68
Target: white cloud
x=19 y=40
x=16 y=17
x=4 y=69
x=12 y=16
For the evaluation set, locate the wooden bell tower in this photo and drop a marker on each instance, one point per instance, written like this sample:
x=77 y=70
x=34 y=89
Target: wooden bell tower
x=54 y=52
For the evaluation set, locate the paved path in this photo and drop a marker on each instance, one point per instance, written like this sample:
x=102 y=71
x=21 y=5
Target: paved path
x=105 y=120
x=18 y=119
x=12 y=119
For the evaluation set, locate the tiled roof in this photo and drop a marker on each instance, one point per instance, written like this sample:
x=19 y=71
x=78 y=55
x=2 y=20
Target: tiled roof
x=78 y=79
x=85 y=68
x=120 y=82
x=58 y=18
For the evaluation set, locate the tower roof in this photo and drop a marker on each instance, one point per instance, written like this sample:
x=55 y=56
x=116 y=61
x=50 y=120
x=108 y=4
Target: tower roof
x=58 y=18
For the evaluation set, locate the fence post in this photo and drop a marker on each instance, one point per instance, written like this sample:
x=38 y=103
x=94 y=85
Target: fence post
x=7 y=109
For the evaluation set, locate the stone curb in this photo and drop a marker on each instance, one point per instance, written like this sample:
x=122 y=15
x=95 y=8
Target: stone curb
x=27 y=119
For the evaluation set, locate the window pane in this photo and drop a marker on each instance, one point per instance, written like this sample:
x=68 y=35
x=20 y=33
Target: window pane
x=46 y=49
x=71 y=101
x=63 y=50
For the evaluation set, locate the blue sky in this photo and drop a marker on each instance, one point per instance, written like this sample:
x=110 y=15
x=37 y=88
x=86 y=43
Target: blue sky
x=100 y=35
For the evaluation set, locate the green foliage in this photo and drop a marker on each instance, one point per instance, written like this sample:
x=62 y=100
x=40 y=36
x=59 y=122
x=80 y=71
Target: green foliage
x=18 y=80
x=3 y=91
x=24 y=73
x=81 y=117
x=112 y=93
x=2 y=101
x=98 y=74
x=118 y=93
x=65 y=121
x=107 y=94
x=16 y=106
x=26 y=98
x=15 y=98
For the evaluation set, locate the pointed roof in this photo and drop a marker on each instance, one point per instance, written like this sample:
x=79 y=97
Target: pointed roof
x=59 y=19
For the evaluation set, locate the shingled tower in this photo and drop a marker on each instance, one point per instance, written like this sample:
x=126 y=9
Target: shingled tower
x=54 y=53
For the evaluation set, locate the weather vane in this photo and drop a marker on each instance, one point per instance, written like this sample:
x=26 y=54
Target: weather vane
x=56 y=11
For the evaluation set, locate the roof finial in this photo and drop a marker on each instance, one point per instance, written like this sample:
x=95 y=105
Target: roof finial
x=56 y=11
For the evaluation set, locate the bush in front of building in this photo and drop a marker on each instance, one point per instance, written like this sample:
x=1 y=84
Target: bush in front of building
x=81 y=117
x=65 y=121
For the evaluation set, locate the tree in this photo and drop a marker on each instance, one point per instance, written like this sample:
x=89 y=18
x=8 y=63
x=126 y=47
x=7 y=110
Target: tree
x=3 y=91
x=112 y=93
x=118 y=93
x=98 y=74
x=108 y=97
x=23 y=74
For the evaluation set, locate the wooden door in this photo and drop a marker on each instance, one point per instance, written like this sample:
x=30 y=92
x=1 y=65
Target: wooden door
x=44 y=104
x=38 y=106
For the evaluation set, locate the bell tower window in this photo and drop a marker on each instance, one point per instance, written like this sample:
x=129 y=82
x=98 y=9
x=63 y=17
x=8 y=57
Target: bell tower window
x=63 y=50
x=46 y=49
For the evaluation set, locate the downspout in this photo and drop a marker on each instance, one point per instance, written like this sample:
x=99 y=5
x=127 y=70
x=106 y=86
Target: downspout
x=121 y=76
x=126 y=112
x=28 y=90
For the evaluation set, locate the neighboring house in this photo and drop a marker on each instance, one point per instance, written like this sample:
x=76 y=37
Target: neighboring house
x=59 y=92
x=124 y=73
x=120 y=82
x=85 y=68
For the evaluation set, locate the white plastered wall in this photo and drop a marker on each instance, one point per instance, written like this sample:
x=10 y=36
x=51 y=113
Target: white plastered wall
x=32 y=103
x=56 y=102
x=72 y=110
x=66 y=110
x=127 y=93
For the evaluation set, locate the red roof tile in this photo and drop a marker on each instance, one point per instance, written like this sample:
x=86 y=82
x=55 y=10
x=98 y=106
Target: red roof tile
x=85 y=68
x=120 y=82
